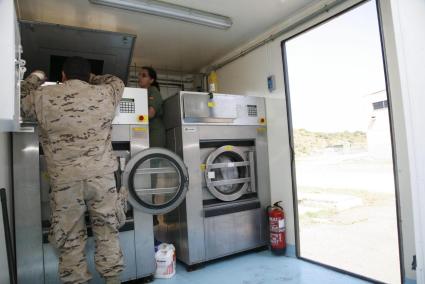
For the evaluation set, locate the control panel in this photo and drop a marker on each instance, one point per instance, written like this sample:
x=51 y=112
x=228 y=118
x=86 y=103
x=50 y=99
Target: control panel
x=223 y=109
x=127 y=106
x=133 y=108
x=252 y=110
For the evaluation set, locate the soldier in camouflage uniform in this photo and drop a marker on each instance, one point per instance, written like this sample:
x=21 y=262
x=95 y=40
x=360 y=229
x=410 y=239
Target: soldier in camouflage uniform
x=75 y=122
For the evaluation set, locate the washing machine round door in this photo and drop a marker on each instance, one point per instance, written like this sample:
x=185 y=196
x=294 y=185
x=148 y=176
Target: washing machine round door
x=227 y=174
x=157 y=181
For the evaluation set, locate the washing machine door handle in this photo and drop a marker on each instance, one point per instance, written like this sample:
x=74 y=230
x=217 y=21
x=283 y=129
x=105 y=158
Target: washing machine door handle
x=157 y=181
x=186 y=182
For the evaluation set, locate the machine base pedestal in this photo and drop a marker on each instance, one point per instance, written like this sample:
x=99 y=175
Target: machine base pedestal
x=260 y=249
x=147 y=279
x=194 y=267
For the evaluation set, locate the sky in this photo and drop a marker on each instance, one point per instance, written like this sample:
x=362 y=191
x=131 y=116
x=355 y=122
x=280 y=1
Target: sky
x=332 y=68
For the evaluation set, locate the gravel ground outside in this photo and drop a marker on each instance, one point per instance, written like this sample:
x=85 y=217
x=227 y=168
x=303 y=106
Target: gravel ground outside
x=362 y=239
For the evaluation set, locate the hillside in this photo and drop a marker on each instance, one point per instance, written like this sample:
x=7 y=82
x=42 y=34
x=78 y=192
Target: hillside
x=307 y=142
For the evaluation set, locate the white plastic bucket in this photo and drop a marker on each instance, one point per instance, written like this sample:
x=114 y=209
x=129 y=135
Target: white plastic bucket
x=165 y=259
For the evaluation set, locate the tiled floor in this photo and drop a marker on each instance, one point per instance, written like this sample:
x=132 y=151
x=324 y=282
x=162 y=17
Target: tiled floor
x=259 y=268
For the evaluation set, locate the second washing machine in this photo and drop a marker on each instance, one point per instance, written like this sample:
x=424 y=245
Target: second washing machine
x=223 y=141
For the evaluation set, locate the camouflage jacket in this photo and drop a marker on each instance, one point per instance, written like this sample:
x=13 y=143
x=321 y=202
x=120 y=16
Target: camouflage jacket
x=75 y=123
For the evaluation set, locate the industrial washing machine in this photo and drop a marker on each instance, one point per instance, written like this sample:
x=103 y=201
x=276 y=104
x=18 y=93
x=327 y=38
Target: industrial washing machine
x=156 y=178
x=223 y=141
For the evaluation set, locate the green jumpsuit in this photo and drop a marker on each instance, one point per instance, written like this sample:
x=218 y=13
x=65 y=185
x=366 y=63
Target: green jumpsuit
x=156 y=124
x=156 y=133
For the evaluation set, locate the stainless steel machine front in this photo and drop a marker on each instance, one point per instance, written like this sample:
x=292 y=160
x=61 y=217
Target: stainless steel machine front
x=223 y=141
x=156 y=178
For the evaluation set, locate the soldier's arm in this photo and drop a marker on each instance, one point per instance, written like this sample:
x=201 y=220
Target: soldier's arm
x=28 y=87
x=154 y=103
x=114 y=85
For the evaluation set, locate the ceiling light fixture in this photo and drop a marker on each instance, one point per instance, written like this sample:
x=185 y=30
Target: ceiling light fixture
x=168 y=10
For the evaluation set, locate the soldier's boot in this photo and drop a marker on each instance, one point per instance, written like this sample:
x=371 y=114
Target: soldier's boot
x=113 y=280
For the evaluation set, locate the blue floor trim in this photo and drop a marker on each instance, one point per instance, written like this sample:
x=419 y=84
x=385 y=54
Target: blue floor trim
x=291 y=251
x=259 y=268
x=409 y=281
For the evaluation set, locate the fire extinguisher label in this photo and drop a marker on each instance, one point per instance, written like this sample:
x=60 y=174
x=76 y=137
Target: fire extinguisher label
x=277 y=225
x=277 y=240
x=282 y=224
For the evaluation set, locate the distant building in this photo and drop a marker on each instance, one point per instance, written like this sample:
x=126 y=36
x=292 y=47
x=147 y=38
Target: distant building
x=379 y=133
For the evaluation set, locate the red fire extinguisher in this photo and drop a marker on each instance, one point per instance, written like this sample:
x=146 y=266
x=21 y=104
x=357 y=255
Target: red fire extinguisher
x=277 y=228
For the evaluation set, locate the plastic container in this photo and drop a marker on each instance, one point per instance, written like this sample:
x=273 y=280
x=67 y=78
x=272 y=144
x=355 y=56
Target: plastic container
x=213 y=82
x=165 y=259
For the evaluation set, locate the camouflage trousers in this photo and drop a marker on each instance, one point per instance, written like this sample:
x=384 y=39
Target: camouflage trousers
x=68 y=233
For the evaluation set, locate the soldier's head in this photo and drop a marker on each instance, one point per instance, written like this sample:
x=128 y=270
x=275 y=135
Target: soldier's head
x=76 y=68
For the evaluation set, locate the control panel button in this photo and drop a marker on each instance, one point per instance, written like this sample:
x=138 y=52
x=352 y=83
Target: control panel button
x=252 y=110
x=127 y=107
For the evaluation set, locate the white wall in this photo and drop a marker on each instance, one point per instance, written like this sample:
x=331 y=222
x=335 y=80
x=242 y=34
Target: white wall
x=404 y=23
x=248 y=74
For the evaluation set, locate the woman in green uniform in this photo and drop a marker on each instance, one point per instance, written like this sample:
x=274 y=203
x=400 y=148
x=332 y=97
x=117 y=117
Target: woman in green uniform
x=148 y=80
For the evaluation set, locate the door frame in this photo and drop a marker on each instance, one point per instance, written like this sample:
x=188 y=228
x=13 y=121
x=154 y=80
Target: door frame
x=311 y=25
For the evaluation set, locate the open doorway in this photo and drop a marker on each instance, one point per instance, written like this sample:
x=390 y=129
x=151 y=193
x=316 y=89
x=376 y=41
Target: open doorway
x=343 y=165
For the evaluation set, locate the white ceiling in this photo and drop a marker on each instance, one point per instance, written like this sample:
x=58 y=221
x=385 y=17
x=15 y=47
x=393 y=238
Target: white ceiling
x=166 y=43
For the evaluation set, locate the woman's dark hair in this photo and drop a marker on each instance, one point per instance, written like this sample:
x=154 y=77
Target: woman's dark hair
x=77 y=68
x=152 y=74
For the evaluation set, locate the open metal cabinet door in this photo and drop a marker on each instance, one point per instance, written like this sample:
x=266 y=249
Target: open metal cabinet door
x=157 y=181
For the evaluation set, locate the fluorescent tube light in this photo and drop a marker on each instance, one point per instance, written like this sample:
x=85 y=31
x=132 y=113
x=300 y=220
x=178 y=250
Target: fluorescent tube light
x=168 y=10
